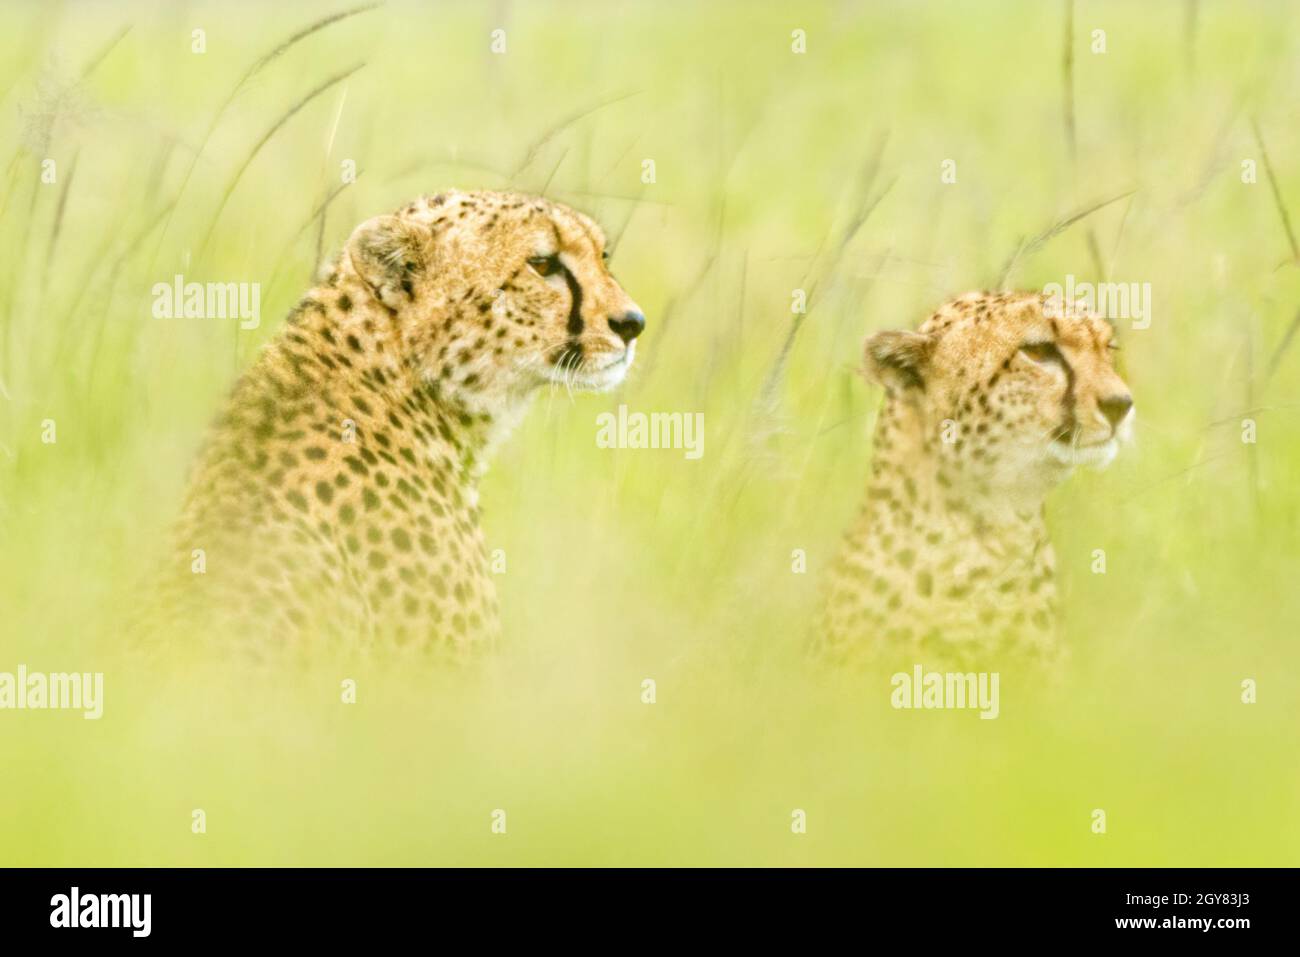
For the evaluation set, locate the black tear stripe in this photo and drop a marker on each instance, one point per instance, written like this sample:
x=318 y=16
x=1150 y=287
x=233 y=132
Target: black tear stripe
x=575 y=307
x=571 y=355
x=1069 y=428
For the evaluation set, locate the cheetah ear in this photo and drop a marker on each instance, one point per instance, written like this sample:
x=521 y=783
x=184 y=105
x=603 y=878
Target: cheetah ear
x=898 y=360
x=389 y=253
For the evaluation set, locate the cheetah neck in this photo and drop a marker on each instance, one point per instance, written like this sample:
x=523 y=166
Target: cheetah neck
x=933 y=568
x=917 y=502
x=361 y=361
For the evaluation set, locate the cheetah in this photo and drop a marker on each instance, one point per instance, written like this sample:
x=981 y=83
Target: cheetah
x=992 y=402
x=336 y=497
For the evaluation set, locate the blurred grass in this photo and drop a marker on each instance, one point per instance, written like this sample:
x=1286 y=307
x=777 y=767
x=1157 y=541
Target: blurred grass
x=774 y=172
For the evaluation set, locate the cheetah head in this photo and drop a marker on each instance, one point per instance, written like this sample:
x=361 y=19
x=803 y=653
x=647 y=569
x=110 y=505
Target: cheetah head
x=495 y=294
x=1009 y=389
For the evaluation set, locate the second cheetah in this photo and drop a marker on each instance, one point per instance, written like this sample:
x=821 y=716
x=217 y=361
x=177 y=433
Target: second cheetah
x=991 y=403
x=337 y=494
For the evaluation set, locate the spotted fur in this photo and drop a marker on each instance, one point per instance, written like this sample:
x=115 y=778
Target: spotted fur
x=991 y=403
x=336 y=499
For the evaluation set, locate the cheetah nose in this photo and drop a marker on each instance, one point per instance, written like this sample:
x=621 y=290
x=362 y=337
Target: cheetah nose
x=627 y=326
x=1115 y=407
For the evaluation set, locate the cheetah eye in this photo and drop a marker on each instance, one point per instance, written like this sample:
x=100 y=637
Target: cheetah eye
x=545 y=265
x=604 y=255
x=1041 y=351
